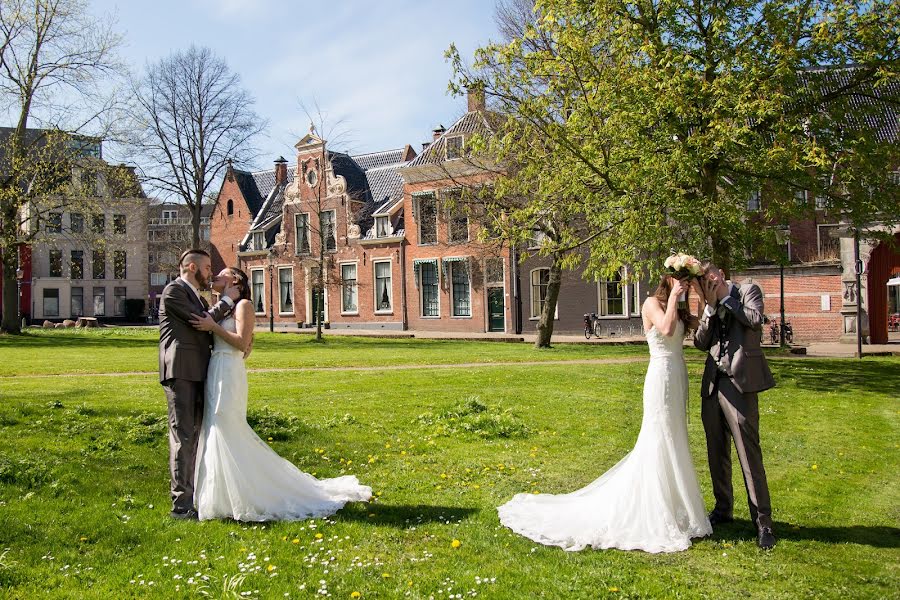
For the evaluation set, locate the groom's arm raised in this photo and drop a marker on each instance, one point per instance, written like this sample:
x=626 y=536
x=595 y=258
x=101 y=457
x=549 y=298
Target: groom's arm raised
x=220 y=309
x=703 y=337
x=749 y=310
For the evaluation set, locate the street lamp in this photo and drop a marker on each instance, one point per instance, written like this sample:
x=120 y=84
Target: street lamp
x=781 y=235
x=20 y=275
x=271 y=290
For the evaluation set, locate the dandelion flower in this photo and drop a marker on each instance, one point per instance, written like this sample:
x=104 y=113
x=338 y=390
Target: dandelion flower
x=355 y=595
x=455 y=544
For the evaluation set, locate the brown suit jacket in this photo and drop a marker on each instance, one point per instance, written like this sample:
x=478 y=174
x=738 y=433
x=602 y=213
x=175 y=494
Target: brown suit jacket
x=734 y=342
x=184 y=351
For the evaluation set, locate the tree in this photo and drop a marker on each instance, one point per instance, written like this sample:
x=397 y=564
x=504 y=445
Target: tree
x=57 y=66
x=657 y=120
x=191 y=117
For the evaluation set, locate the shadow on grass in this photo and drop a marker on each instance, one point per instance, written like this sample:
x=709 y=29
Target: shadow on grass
x=403 y=516
x=877 y=536
x=843 y=375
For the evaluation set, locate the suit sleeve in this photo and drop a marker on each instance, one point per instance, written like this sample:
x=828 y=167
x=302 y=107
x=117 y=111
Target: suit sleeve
x=220 y=310
x=749 y=310
x=703 y=336
x=177 y=304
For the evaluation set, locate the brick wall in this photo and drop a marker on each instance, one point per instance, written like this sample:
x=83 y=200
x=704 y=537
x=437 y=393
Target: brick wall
x=804 y=289
x=226 y=231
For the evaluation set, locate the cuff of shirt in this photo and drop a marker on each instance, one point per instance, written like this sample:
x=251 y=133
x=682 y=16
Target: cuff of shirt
x=227 y=300
x=708 y=311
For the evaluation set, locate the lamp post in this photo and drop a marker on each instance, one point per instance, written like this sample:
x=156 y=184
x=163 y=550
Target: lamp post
x=271 y=290
x=20 y=275
x=781 y=235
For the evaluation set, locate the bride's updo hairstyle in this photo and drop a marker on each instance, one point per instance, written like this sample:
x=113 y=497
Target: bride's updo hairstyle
x=243 y=282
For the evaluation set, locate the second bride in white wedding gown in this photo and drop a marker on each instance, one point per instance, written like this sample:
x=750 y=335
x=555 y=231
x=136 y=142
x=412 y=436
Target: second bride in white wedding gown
x=238 y=475
x=650 y=500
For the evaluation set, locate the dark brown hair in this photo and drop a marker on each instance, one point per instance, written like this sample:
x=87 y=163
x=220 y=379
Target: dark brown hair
x=243 y=282
x=662 y=295
x=191 y=253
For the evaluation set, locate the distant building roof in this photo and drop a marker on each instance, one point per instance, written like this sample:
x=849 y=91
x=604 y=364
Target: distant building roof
x=435 y=153
x=374 y=160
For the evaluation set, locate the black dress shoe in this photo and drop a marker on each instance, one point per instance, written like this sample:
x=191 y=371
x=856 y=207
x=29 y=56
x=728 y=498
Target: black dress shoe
x=765 y=539
x=718 y=519
x=184 y=515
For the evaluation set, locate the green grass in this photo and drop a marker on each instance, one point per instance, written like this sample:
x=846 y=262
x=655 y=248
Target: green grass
x=83 y=476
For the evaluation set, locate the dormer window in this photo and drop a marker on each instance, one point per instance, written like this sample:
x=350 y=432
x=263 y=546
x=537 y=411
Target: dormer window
x=382 y=227
x=454 y=147
x=259 y=240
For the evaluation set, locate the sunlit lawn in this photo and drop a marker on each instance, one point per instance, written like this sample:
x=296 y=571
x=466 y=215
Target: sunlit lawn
x=83 y=476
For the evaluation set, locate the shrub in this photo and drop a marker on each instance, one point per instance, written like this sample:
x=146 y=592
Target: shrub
x=474 y=417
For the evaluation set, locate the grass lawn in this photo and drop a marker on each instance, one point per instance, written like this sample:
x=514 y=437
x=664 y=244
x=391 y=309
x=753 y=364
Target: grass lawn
x=84 y=476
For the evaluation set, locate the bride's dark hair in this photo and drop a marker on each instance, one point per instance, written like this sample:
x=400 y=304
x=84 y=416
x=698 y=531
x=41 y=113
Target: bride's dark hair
x=662 y=295
x=243 y=282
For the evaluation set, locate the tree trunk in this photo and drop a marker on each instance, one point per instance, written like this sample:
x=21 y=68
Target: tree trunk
x=319 y=308
x=195 y=224
x=10 y=323
x=545 y=324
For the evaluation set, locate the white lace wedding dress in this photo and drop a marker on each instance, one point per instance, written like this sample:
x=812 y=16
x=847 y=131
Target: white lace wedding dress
x=238 y=475
x=650 y=500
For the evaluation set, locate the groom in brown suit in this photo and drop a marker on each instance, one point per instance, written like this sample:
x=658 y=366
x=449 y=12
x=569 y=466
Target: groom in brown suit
x=183 y=359
x=730 y=331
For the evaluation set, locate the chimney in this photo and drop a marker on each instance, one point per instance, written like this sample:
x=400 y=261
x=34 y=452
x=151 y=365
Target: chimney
x=437 y=132
x=280 y=170
x=475 y=97
x=425 y=146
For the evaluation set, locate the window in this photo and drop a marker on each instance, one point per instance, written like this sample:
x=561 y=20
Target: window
x=158 y=279
x=428 y=273
x=51 y=303
x=612 y=296
x=88 y=183
x=301 y=225
x=427 y=220
x=169 y=216
x=119 y=301
x=99 y=264
x=540 y=280
x=156 y=235
x=454 y=146
x=77 y=302
x=55 y=263
x=460 y=296
x=382 y=226
x=120 y=265
x=54 y=222
x=98 y=223
x=119 y=224
x=230 y=209
x=634 y=294
x=286 y=290
x=754 y=200
x=76 y=264
x=327 y=222
x=537 y=239
x=493 y=271
x=383 y=290
x=258 y=240
x=800 y=197
x=459 y=226
x=257 y=291
x=349 y=289
x=76 y=222
x=99 y=301
x=829 y=241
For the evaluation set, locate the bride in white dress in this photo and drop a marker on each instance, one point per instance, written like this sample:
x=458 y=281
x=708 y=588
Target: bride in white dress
x=238 y=475
x=650 y=500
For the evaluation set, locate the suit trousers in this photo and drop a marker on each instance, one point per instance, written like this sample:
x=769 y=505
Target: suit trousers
x=729 y=414
x=185 y=399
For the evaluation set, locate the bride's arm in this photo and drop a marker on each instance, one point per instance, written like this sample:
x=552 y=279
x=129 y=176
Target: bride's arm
x=244 y=322
x=664 y=320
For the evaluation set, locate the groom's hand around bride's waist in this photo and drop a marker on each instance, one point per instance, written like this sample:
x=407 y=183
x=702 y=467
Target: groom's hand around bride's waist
x=203 y=322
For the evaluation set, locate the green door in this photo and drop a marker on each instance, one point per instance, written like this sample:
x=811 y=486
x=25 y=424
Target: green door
x=496 y=314
x=315 y=308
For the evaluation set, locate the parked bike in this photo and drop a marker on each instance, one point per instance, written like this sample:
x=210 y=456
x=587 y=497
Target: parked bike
x=774 y=331
x=591 y=325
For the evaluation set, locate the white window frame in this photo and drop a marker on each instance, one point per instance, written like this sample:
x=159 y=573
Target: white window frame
x=437 y=271
x=536 y=239
x=826 y=226
x=431 y=197
x=282 y=312
x=537 y=317
x=263 y=296
x=169 y=215
x=333 y=229
x=297 y=250
x=754 y=201
x=355 y=265
x=44 y=299
x=626 y=299
x=383 y=220
x=451 y=267
x=381 y=311
x=462 y=145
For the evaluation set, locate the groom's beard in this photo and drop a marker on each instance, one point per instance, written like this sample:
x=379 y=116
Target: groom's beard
x=202 y=282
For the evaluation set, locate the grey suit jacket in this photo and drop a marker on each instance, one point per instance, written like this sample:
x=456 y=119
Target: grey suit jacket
x=734 y=342
x=184 y=351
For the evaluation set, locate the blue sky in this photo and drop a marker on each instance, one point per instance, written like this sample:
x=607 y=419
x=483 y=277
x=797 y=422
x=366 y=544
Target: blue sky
x=377 y=66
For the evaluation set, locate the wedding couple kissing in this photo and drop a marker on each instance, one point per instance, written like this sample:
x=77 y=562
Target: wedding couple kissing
x=650 y=500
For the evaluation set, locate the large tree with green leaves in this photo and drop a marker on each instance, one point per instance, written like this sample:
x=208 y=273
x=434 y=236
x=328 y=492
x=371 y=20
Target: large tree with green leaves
x=657 y=119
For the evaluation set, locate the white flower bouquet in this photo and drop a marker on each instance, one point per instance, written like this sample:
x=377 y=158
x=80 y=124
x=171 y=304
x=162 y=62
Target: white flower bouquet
x=684 y=267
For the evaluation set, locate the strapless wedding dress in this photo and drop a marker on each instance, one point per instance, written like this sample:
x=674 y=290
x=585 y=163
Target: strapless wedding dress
x=238 y=475
x=650 y=500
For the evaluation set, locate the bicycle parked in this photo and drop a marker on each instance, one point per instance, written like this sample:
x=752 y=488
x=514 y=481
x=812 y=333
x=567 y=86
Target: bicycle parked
x=774 y=331
x=591 y=325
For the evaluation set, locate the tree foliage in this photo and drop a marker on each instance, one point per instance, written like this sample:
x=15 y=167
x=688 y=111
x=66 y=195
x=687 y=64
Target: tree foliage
x=653 y=121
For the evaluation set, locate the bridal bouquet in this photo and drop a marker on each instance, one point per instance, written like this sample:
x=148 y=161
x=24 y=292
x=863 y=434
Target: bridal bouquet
x=685 y=267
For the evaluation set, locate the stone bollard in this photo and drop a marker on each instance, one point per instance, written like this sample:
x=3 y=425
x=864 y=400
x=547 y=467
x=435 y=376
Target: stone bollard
x=68 y=323
x=47 y=325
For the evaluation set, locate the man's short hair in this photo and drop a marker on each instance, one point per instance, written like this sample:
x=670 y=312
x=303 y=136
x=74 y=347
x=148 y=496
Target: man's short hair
x=189 y=256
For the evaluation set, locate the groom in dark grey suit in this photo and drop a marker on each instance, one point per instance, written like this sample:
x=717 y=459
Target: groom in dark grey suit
x=730 y=331
x=183 y=359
